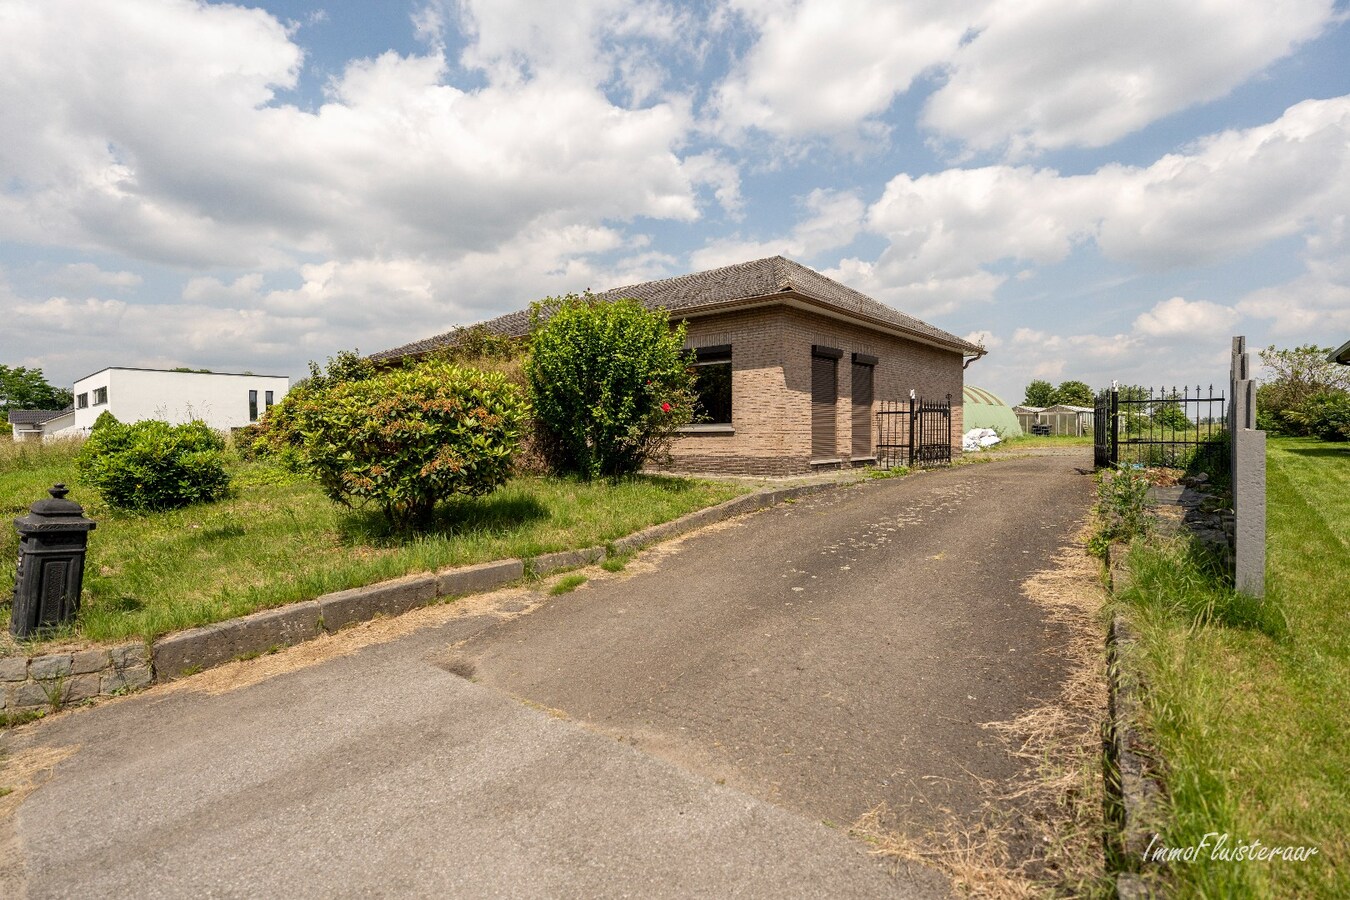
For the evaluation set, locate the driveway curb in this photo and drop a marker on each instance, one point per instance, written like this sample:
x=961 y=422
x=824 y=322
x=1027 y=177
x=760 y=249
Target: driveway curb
x=1133 y=791
x=187 y=652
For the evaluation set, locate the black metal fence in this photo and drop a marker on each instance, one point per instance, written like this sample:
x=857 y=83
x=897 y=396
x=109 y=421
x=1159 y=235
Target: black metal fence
x=1158 y=427
x=915 y=433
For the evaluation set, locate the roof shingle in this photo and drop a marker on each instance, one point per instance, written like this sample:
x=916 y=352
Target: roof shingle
x=715 y=287
x=33 y=416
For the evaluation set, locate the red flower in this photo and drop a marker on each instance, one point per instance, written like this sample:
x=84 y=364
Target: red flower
x=665 y=407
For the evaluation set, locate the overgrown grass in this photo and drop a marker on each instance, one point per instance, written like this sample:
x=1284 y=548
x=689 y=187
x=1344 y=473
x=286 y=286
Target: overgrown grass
x=279 y=540
x=1249 y=701
x=1036 y=441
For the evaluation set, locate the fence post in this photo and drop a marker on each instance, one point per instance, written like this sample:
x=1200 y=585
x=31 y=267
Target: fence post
x=1115 y=425
x=1248 y=475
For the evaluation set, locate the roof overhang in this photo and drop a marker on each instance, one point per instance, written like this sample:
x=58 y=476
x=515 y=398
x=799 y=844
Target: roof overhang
x=1340 y=355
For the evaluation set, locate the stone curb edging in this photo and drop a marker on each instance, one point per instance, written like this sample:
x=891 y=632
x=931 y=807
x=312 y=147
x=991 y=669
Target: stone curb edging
x=1133 y=790
x=186 y=652
x=56 y=679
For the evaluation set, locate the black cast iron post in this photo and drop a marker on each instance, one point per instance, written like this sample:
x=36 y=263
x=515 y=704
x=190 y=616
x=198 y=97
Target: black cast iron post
x=53 y=538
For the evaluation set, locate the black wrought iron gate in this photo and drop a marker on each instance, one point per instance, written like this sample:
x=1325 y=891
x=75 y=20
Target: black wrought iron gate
x=914 y=432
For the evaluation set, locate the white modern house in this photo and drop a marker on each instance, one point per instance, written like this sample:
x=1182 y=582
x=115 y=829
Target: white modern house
x=222 y=400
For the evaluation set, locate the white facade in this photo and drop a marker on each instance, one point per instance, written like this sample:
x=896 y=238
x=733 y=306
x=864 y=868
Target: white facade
x=223 y=401
x=59 y=424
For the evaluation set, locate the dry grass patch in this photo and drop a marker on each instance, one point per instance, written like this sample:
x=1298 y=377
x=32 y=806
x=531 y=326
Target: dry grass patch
x=1042 y=834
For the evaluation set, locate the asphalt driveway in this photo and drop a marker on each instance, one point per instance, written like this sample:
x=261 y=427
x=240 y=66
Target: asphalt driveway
x=765 y=679
x=827 y=655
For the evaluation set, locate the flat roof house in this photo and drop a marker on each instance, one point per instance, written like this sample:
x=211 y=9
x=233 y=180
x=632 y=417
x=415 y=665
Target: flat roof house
x=223 y=400
x=792 y=365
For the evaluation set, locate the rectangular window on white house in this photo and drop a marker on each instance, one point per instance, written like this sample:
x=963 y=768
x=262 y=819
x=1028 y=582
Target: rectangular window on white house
x=82 y=401
x=100 y=396
x=267 y=401
x=253 y=406
x=712 y=385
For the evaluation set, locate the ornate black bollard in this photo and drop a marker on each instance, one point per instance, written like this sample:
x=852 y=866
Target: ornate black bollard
x=52 y=541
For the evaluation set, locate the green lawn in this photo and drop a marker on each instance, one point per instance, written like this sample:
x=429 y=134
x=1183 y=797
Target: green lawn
x=278 y=539
x=1033 y=441
x=1250 y=702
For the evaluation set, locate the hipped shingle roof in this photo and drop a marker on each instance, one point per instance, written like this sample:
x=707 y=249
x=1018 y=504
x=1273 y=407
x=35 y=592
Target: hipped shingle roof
x=727 y=285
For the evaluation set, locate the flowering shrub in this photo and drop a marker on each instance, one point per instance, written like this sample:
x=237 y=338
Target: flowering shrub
x=404 y=439
x=611 y=382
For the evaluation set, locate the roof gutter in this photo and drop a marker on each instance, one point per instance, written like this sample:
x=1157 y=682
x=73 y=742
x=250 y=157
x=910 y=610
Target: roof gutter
x=981 y=355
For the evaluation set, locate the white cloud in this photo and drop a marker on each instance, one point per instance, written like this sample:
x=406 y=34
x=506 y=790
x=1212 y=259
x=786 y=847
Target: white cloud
x=1181 y=317
x=512 y=40
x=78 y=277
x=168 y=142
x=833 y=219
x=1042 y=74
x=829 y=67
x=1016 y=77
x=951 y=234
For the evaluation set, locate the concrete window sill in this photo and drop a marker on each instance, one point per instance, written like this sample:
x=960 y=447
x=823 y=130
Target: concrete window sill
x=826 y=462
x=707 y=429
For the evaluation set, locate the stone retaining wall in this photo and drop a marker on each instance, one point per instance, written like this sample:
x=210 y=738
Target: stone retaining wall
x=54 y=680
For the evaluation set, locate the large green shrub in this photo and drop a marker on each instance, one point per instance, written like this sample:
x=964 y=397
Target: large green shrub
x=151 y=465
x=278 y=435
x=611 y=383
x=1325 y=415
x=405 y=438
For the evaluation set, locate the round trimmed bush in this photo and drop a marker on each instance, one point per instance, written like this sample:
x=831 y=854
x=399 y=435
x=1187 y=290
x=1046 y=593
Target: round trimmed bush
x=404 y=439
x=151 y=465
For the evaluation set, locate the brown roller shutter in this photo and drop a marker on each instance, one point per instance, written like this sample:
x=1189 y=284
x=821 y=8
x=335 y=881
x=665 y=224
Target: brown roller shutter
x=862 y=410
x=824 y=390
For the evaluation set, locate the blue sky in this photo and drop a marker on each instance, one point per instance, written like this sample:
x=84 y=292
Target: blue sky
x=1095 y=190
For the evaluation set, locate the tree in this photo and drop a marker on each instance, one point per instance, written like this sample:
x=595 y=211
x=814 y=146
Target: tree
x=1294 y=379
x=1039 y=393
x=23 y=388
x=404 y=439
x=611 y=383
x=1168 y=414
x=1072 y=393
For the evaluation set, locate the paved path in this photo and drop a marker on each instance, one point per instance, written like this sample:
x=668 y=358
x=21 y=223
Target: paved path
x=768 y=675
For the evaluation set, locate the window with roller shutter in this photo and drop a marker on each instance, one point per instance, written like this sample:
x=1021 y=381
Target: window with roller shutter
x=863 y=367
x=824 y=397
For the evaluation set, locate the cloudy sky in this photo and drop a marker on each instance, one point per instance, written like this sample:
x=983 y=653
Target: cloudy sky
x=1095 y=189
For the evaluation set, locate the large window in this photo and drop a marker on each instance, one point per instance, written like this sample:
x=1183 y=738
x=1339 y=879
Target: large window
x=712 y=383
x=100 y=396
x=253 y=406
x=82 y=401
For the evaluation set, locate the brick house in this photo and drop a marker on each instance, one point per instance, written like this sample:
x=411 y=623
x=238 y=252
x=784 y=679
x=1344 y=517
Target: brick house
x=792 y=365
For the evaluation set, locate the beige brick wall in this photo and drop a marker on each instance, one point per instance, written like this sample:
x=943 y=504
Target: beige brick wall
x=771 y=387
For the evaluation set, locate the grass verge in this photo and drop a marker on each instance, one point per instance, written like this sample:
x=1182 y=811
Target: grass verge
x=1249 y=701
x=278 y=540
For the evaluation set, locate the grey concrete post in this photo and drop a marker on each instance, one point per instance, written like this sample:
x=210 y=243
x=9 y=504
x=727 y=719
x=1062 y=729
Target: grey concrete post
x=1249 y=508
x=1248 y=473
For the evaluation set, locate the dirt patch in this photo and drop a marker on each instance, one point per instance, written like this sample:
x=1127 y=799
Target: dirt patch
x=1042 y=833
